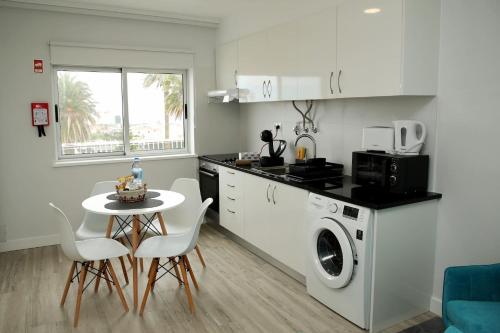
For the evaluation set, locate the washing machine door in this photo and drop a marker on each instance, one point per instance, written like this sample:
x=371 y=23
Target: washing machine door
x=332 y=253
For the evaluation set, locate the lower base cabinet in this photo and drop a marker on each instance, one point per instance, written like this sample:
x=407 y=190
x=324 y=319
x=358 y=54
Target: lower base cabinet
x=274 y=219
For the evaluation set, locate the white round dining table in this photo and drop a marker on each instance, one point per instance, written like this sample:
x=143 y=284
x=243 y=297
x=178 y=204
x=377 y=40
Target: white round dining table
x=106 y=204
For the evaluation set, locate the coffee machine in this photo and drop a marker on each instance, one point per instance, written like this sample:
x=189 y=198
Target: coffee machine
x=274 y=158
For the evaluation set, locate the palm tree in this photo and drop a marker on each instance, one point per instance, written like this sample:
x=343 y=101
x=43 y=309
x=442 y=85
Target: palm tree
x=173 y=97
x=77 y=109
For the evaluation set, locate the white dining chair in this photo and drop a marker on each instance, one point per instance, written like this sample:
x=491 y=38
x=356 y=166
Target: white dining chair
x=180 y=219
x=85 y=253
x=95 y=225
x=175 y=247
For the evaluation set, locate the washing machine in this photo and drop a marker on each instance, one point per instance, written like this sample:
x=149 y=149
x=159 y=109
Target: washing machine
x=339 y=257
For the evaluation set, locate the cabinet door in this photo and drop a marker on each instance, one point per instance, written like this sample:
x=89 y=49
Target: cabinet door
x=287 y=228
x=281 y=55
x=226 y=65
x=256 y=207
x=253 y=67
x=370 y=47
x=316 y=49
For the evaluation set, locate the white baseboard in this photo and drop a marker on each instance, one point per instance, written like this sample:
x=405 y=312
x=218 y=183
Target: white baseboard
x=28 y=243
x=436 y=306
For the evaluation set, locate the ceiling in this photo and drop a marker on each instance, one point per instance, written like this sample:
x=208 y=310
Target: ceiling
x=205 y=10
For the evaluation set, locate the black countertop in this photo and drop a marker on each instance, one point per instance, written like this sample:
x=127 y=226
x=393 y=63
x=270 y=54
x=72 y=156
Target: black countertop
x=342 y=189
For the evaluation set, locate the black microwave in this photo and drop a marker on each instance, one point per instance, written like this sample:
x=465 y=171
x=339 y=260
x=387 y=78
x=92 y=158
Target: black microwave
x=392 y=173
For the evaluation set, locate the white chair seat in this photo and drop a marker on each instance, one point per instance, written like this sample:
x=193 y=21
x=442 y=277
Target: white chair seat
x=100 y=249
x=164 y=246
x=86 y=233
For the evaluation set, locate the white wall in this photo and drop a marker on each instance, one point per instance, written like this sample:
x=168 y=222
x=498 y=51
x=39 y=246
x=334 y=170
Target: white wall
x=340 y=123
x=467 y=146
x=28 y=178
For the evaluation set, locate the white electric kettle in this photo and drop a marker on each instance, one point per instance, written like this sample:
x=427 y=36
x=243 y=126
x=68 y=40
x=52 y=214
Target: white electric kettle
x=407 y=139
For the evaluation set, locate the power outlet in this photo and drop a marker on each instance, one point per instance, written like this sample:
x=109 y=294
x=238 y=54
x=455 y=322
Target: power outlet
x=3 y=233
x=277 y=126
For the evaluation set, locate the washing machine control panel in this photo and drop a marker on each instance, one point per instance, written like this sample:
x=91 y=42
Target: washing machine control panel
x=333 y=207
x=350 y=212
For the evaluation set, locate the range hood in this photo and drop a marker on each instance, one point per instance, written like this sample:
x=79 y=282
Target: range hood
x=226 y=96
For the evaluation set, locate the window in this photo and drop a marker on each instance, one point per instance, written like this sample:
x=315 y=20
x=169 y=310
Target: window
x=104 y=112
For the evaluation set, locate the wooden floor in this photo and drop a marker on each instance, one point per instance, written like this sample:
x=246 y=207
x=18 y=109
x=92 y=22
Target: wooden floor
x=239 y=292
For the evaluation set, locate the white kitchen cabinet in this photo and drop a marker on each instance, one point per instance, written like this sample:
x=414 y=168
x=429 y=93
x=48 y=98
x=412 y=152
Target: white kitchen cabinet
x=316 y=49
x=256 y=206
x=267 y=64
x=226 y=65
x=254 y=68
x=387 y=47
x=274 y=220
x=230 y=200
x=287 y=229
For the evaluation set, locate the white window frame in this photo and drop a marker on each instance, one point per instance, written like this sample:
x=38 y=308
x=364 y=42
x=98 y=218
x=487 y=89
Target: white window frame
x=125 y=119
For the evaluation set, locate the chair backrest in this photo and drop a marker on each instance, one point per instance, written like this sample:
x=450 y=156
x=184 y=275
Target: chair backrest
x=95 y=221
x=104 y=186
x=195 y=229
x=66 y=234
x=186 y=213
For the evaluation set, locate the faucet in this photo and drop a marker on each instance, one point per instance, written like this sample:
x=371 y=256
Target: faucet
x=310 y=138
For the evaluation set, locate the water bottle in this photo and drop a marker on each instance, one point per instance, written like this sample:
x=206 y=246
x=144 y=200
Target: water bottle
x=137 y=171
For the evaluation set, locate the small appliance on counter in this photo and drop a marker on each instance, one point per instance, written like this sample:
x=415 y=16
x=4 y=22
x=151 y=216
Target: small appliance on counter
x=274 y=158
x=392 y=173
x=378 y=139
x=407 y=138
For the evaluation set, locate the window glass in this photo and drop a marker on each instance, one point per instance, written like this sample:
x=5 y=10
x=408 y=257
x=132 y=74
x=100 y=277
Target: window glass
x=156 y=111
x=90 y=112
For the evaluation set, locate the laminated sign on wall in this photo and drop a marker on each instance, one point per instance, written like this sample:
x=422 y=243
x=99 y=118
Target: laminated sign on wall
x=40 y=116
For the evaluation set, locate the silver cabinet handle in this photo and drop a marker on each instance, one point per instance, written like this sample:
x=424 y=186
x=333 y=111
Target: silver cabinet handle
x=232 y=199
x=331 y=88
x=264 y=89
x=274 y=190
x=269 y=88
x=231 y=186
x=232 y=212
x=231 y=172
x=236 y=78
x=267 y=192
x=338 y=81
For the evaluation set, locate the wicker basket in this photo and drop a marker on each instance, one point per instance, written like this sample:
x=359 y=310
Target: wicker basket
x=133 y=195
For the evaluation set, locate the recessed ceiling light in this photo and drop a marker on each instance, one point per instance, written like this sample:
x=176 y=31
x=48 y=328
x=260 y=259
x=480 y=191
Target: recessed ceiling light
x=372 y=10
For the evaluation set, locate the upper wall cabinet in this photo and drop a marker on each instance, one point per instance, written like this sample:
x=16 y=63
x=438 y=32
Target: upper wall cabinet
x=387 y=47
x=316 y=49
x=361 y=48
x=226 y=64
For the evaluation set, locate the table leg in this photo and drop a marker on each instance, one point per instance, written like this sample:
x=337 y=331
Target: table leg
x=162 y=223
x=135 y=244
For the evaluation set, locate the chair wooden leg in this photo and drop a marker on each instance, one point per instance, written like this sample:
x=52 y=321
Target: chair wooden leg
x=186 y=285
x=106 y=275
x=124 y=270
x=83 y=275
x=117 y=285
x=68 y=282
x=152 y=273
x=152 y=276
x=177 y=273
x=198 y=252
x=191 y=273
x=98 y=278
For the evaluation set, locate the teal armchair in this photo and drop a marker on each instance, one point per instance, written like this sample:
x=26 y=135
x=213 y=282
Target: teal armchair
x=471 y=299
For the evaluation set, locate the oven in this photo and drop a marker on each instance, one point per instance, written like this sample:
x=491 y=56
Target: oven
x=209 y=183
